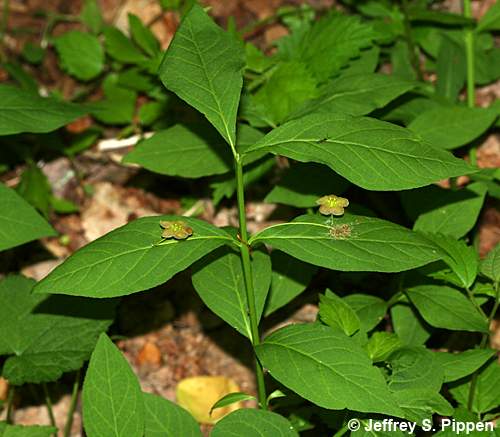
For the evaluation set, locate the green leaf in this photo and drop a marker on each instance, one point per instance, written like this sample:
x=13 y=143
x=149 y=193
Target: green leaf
x=35 y=188
x=253 y=423
x=47 y=335
x=381 y=345
x=218 y=279
x=290 y=277
x=447 y=212
x=112 y=399
x=120 y=48
x=350 y=243
x=408 y=325
x=26 y=431
x=370 y=153
x=128 y=260
x=22 y=111
x=231 y=398
x=203 y=66
x=490 y=266
x=357 y=94
x=370 y=309
x=420 y=404
x=166 y=419
x=91 y=16
x=143 y=36
x=440 y=17
x=452 y=127
x=81 y=54
x=19 y=222
x=297 y=187
x=445 y=307
x=490 y=20
x=450 y=69
x=486 y=393
x=336 y=313
x=462 y=364
x=327 y=368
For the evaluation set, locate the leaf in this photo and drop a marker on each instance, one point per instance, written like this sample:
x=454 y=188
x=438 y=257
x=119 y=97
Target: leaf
x=120 y=48
x=297 y=187
x=128 y=260
x=447 y=212
x=290 y=277
x=357 y=94
x=445 y=307
x=47 y=335
x=450 y=68
x=19 y=222
x=452 y=127
x=26 y=431
x=81 y=54
x=440 y=17
x=218 y=279
x=459 y=365
x=370 y=309
x=486 y=393
x=420 y=404
x=368 y=244
x=381 y=345
x=327 y=368
x=231 y=398
x=370 y=153
x=490 y=20
x=91 y=16
x=490 y=266
x=253 y=423
x=35 y=188
x=22 y=111
x=203 y=66
x=336 y=313
x=166 y=419
x=143 y=36
x=112 y=399
x=408 y=325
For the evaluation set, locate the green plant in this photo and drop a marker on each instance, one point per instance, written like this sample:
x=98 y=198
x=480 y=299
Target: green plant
x=311 y=109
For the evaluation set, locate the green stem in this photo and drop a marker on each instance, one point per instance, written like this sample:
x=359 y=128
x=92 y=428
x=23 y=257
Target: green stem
x=48 y=403
x=412 y=49
x=10 y=405
x=247 y=273
x=469 y=56
x=72 y=405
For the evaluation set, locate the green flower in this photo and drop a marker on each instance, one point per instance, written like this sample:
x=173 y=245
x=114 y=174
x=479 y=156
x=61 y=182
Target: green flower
x=332 y=204
x=175 y=229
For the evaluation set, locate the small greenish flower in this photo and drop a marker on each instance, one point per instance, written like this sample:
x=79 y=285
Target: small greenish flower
x=175 y=229
x=332 y=204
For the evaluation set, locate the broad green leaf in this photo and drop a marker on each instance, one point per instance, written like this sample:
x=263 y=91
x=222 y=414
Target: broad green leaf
x=35 y=188
x=81 y=54
x=490 y=266
x=421 y=403
x=414 y=368
x=407 y=108
x=47 y=335
x=232 y=398
x=298 y=188
x=381 y=345
x=357 y=94
x=203 y=66
x=370 y=309
x=408 y=325
x=113 y=403
x=486 y=393
x=490 y=20
x=121 y=48
x=400 y=60
x=463 y=260
x=143 y=36
x=447 y=212
x=163 y=418
x=462 y=364
x=22 y=111
x=370 y=153
x=450 y=69
x=336 y=313
x=366 y=62
x=19 y=222
x=350 y=243
x=452 y=127
x=446 y=307
x=290 y=277
x=129 y=259
x=327 y=368
x=428 y=15
x=218 y=279
x=26 y=431
x=91 y=16
x=253 y=423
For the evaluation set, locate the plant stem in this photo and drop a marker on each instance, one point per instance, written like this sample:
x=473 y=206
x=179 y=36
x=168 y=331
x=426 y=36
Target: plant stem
x=412 y=50
x=247 y=273
x=469 y=56
x=48 y=402
x=10 y=405
x=72 y=405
